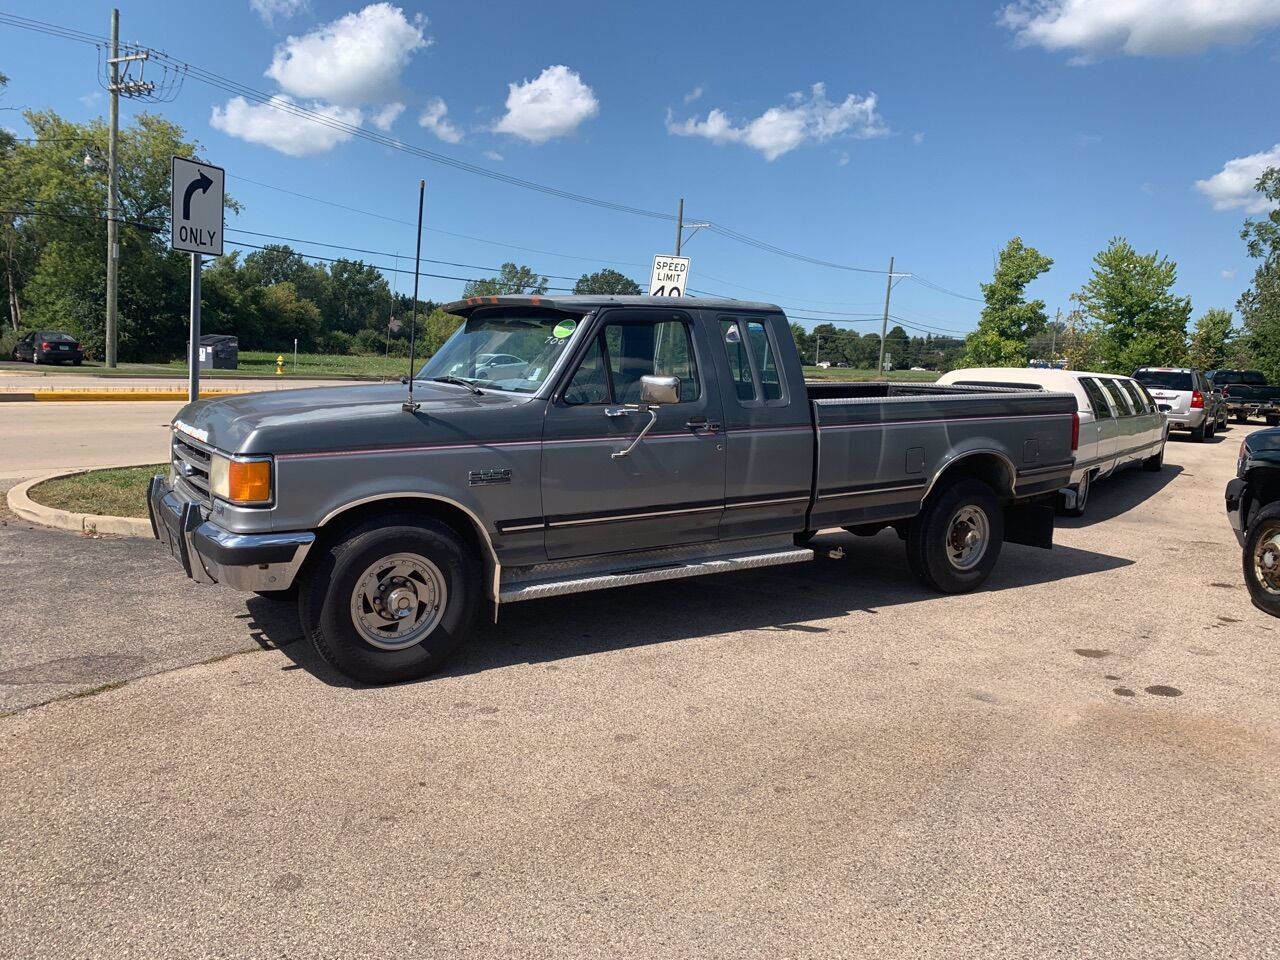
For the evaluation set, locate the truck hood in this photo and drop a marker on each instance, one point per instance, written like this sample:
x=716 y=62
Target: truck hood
x=341 y=418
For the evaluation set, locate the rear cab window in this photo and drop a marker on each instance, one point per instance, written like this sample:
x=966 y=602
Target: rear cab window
x=753 y=361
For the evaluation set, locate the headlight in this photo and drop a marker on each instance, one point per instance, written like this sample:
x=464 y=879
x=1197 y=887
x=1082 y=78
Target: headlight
x=245 y=482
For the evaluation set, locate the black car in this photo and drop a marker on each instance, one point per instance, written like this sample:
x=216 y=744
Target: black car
x=1253 y=507
x=49 y=346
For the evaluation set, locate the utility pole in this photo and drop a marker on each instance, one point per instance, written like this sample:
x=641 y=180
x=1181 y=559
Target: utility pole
x=133 y=88
x=1053 y=338
x=817 y=340
x=113 y=228
x=679 y=226
x=884 y=324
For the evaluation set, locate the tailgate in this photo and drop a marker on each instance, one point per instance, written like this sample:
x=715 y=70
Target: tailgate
x=1171 y=401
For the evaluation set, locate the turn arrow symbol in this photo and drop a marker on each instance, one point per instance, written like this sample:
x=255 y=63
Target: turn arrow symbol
x=202 y=183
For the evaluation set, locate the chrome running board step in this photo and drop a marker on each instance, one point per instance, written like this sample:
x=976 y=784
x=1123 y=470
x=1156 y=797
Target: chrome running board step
x=727 y=563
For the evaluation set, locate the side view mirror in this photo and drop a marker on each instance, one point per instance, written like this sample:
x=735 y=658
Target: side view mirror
x=656 y=391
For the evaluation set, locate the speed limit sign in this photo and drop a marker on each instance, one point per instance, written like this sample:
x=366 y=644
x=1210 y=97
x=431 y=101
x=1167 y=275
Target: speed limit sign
x=670 y=276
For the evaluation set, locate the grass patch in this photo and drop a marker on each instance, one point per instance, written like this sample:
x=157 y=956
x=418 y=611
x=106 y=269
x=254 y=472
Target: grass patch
x=117 y=492
x=858 y=376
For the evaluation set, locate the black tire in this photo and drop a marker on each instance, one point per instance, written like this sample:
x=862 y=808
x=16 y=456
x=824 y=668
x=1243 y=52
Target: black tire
x=327 y=592
x=1272 y=420
x=1262 y=527
x=1241 y=417
x=1082 y=498
x=930 y=533
x=1155 y=462
x=1198 y=433
x=76 y=363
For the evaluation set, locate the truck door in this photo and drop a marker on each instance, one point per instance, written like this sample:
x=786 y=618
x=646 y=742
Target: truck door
x=669 y=489
x=767 y=421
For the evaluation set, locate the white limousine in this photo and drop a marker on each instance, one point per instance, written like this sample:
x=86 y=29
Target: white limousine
x=1119 y=422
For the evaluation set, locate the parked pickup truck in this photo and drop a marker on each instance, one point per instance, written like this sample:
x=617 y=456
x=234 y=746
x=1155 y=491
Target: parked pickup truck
x=1247 y=394
x=638 y=439
x=1253 y=507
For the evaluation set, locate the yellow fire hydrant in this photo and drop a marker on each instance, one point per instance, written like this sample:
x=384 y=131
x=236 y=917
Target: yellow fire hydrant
x=279 y=365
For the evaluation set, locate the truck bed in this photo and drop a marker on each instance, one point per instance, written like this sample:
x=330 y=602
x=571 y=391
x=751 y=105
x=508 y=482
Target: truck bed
x=881 y=445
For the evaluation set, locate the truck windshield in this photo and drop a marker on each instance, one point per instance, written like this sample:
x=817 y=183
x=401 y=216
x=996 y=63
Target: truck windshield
x=504 y=348
x=1250 y=378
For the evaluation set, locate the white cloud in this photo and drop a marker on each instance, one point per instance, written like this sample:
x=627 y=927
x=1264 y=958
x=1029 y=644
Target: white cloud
x=917 y=138
x=692 y=95
x=433 y=119
x=493 y=155
x=355 y=59
x=1232 y=187
x=1228 y=274
x=1149 y=189
x=384 y=118
x=269 y=10
x=90 y=98
x=1093 y=28
x=782 y=129
x=843 y=160
x=553 y=104
x=276 y=128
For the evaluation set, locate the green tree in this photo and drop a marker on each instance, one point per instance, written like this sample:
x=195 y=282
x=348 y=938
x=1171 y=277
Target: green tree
x=897 y=349
x=358 y=296
x=512 y=281
x=285 y=316
x=1008 y=319
x=609 y=282
x=1211 y=340
x=1259 y=306
x=436 y=329
x=1130 y=295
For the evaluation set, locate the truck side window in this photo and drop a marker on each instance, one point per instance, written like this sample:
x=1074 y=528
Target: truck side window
x=1101 y=409
x=1122 y=405
x=590 y=384
x=739 y=364
x=624 y=352
x=762 y=351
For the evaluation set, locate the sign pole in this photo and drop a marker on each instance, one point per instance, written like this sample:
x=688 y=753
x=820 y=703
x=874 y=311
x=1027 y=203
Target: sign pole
x=193 y=383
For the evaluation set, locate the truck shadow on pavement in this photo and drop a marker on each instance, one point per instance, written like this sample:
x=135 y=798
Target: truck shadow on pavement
x=872 y=576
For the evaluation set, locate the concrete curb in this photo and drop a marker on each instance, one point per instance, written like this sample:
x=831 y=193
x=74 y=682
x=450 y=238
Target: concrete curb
x=26 y=508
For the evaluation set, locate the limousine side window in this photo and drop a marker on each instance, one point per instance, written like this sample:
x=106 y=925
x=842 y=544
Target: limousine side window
x=1139 y=401
x=1097 y=400
x=1122 y=405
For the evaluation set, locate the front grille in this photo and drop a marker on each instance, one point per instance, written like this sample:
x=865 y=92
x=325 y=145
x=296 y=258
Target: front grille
x=190 y=462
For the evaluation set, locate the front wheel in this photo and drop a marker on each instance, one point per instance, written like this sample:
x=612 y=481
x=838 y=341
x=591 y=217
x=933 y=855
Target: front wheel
x=1261 y=559
x=1198 y=433
x=955 y=542
x=393 y=601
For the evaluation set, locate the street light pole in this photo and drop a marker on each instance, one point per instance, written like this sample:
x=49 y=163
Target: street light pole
x=113 y=184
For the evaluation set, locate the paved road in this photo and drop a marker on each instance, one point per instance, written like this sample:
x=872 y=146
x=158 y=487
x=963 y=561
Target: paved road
x=821 y=760
x=37 y=438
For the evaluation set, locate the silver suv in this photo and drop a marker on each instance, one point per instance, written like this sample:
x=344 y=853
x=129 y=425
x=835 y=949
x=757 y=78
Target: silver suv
x=1186 y=397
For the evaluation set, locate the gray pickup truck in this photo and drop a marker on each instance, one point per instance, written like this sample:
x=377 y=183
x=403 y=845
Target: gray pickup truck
x=620 y=440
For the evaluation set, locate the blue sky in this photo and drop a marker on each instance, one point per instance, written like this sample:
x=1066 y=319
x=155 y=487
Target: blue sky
x=932 y=131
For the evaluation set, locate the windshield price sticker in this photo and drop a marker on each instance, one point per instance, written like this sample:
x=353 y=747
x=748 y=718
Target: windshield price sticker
x=564 y=328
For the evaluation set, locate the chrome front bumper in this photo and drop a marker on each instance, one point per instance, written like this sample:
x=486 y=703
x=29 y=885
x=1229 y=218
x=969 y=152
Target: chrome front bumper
x=209 y=554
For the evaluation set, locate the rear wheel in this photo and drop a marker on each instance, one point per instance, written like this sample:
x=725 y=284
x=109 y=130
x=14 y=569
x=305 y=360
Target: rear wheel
x=393 y=601
x=955 y=541
x=1155 y=462
x=1198 y=433
x=1241 y=417
x=1261 y=559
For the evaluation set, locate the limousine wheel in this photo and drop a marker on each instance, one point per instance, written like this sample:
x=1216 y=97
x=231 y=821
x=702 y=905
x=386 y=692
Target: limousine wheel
x=1155 y=462
x=393 y=600
x=1082 y=498
x=1262 y=559
x=955 y=541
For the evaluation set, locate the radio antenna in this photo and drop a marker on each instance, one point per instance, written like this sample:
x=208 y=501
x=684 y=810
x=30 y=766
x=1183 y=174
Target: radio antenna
x=409 y=406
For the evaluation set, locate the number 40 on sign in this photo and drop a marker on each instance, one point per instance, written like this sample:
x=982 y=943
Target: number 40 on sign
x=670 y=276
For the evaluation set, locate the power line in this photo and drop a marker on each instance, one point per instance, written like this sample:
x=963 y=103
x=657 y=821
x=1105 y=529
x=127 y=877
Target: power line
x=929 y=284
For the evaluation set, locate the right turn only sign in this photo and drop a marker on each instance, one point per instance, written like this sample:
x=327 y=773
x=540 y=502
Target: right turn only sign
x=670 y=276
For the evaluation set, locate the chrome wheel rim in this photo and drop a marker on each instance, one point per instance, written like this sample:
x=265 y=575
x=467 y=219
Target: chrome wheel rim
x=967 y=537
x=1266 y=561
x=398 y=601
x=1082 y=492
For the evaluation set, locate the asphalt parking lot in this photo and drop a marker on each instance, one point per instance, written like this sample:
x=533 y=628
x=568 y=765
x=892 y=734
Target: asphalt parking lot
x=1081 y=759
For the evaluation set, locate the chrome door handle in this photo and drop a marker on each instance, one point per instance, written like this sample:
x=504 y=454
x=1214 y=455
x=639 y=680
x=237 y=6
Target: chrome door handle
x=702 y=423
